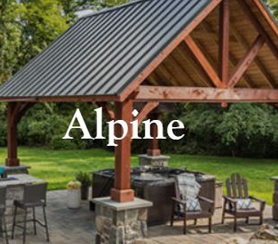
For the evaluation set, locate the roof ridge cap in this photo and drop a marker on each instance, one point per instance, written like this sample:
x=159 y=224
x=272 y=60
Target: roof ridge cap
x=114 y=8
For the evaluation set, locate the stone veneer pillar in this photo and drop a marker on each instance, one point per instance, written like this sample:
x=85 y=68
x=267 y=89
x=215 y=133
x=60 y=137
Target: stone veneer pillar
x=275 y=199
x=120 y=223
x=153 y=161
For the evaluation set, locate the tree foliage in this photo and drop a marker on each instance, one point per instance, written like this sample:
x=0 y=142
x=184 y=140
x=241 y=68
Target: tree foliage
x=240 y=130
x=273 y=4
x=26 y=28
x=29 y=26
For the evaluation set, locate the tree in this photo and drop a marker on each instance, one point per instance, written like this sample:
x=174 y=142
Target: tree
x=273 y=4
x=28 y=26
x=9 y=38
x=40 y=22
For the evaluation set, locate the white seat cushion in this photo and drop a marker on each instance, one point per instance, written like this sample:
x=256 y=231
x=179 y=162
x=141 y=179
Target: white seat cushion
x=192 y=205
x=243 y=204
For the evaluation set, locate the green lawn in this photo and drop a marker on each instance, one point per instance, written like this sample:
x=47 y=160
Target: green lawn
x=59 y=167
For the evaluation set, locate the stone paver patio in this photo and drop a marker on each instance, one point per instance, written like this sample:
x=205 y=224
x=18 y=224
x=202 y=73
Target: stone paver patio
x=76 y=227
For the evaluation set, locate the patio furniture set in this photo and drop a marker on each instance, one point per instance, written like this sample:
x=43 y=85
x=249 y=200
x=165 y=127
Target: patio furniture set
x=187 y=204
x=33 y=196
x=238 y=204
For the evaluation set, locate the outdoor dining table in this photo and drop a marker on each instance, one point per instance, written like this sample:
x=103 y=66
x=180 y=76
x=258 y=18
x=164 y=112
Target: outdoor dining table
x=15 y=188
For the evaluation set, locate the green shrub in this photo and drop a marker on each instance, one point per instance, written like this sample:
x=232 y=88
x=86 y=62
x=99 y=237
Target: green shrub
x=84 y=178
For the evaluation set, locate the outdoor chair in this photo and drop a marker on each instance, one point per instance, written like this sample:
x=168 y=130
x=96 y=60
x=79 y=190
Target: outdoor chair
x=238 y=203
x=34 y=196
x=187 y=204
x=3 y=226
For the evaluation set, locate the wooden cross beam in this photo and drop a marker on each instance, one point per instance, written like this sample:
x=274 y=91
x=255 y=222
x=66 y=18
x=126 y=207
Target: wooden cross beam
x=201 y=94
x=197 y=53
x=246 y=61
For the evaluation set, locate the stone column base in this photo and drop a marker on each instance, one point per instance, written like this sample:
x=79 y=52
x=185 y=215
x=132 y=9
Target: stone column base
x=22 y=169
x=154 y=161
x=120 y=223
x=275 y=199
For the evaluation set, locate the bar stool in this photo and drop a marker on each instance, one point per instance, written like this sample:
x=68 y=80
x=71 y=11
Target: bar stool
x=33 y=196
x=2 y=213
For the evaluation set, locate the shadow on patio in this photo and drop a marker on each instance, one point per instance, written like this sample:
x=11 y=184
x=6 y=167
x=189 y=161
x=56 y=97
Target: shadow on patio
x=77 y=227
x=220 y=233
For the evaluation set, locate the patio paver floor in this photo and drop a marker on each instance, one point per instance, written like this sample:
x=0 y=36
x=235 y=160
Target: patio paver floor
x=76 y=227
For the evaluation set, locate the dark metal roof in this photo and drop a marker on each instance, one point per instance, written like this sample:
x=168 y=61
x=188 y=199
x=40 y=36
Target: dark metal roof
x=101 y=54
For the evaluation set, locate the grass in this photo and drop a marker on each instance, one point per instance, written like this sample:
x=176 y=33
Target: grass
x=59 y=167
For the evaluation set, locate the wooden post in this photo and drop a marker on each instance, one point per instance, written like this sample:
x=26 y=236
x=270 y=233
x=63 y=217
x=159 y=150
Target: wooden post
x=15 y=112
x=154 y=143
x=224 y=43
x=12 y=160
x=224 y=40
x=121 y=191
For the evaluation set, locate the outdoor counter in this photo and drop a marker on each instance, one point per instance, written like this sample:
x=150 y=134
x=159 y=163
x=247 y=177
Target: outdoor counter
x=15 y=187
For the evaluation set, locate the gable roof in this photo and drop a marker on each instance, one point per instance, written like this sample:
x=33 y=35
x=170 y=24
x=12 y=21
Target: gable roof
x=103 y=52
x=106 y=55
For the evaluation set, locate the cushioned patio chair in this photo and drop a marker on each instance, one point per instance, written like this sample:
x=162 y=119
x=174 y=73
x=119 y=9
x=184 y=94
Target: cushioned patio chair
x=238 y=203
x=187 y=203
x=3 y=227
x=34 y=196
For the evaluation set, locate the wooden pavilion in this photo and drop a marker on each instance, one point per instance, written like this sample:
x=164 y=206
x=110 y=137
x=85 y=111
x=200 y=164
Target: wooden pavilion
x=152 y=51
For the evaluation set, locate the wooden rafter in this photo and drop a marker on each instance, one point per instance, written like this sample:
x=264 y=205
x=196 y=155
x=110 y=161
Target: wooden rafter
x=150 y=106
x=266 y=15
x=246 y=61
x=186 y=76
x=204 y=36
x=167 y=72
x=258 y=26
x=155 y=79
x=195 y=50
x=160 y=58
x=152 y=80
x=193 y=65
x=233 y=60
x=207 y=94
x=224 y=43
x=242 y=41
x=209 y=57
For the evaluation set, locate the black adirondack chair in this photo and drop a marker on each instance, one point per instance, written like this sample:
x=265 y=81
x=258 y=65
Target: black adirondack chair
x=237 y=188
x=179 y=211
